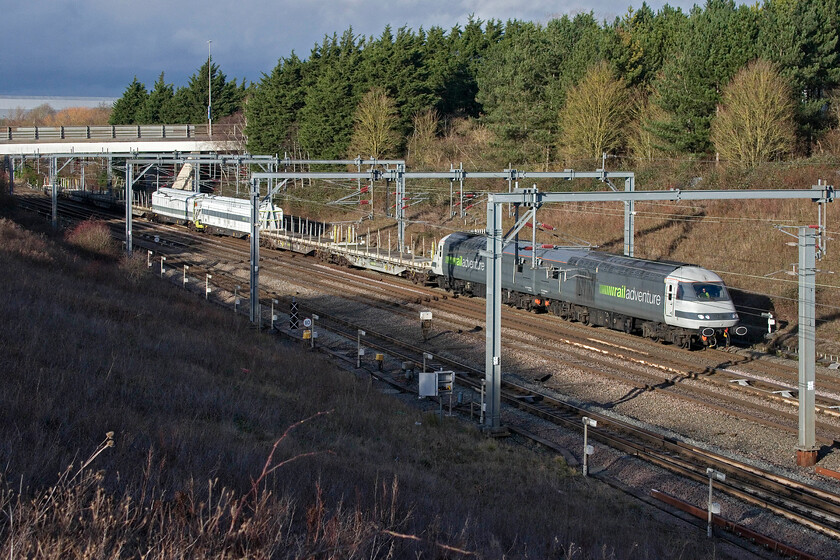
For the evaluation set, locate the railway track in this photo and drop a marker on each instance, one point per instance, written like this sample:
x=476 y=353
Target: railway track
x=802 y=503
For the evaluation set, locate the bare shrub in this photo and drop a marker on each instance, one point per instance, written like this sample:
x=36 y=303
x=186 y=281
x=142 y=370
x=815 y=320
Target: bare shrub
x=829 y=144
x=134 y=267
x=14 y=239
x=93 y=236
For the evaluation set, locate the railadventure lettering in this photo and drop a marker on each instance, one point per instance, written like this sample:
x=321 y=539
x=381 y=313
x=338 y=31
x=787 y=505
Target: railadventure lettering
x=632 y=294
x=465 y=263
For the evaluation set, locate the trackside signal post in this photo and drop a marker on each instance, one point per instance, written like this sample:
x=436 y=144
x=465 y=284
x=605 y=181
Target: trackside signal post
x=255 y=251
x=533 y=199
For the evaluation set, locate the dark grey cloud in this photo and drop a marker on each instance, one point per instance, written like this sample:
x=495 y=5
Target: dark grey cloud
x=96 y=47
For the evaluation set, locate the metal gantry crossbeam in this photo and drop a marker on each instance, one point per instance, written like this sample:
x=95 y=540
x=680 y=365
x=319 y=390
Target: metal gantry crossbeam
x=399 y=175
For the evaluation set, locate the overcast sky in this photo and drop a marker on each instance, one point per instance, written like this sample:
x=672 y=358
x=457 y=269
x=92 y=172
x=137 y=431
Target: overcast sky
x=96 y=47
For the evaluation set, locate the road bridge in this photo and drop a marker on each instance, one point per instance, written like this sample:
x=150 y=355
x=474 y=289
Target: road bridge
x=111 y=139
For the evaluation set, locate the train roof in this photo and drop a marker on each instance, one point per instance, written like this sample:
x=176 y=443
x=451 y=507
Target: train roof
x=572 y=256
x=179 y=194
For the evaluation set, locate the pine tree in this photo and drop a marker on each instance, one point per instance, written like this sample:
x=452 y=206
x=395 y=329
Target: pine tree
x=326 y=119
x=128 y=107
x=151 y=112
x=273 y=107
x=802 y=39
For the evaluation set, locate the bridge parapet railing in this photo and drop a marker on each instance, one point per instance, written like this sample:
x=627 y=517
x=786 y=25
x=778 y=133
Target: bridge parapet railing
x=116 y=132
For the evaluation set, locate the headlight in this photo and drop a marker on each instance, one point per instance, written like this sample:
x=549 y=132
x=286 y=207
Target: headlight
x=700 y=316
x=707 y=317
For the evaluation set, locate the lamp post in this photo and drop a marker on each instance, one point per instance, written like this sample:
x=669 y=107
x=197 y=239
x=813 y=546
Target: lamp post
x=713 y=507
x=209 y=91
x=587 y=449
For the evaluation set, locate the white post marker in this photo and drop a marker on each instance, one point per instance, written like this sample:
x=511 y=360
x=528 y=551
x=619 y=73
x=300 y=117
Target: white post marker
x=149 y=258
x=314 y=334
x=162 y=268
x=587 y=449
x=186 y=268
x=207 y=285
x=236 y=299
x=273 y=316
x=359 y=350
x=714 y=508
x=426 y=356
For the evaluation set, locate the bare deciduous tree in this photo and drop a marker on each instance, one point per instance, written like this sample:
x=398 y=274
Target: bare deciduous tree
x=423 y=138
x=755 y=120
x=595 y=114
x=374 y=131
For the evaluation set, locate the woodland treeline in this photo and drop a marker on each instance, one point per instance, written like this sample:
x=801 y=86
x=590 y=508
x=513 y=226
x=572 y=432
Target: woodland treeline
x=743 y=83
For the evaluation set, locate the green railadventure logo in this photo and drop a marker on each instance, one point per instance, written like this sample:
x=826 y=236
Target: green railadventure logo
x=632 y=294
x=465 y=263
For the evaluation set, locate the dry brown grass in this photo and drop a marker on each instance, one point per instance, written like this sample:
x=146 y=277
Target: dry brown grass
x=196 y=401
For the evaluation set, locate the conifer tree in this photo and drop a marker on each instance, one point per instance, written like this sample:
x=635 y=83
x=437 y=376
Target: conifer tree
x=189 y=104
x=273 y=107
x=802 y=39
x=127 y=108
x=525 y=76
x=326 y=119
x=159 y=97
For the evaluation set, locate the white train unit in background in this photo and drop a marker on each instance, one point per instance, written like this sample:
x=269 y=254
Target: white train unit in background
x=212 y=213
